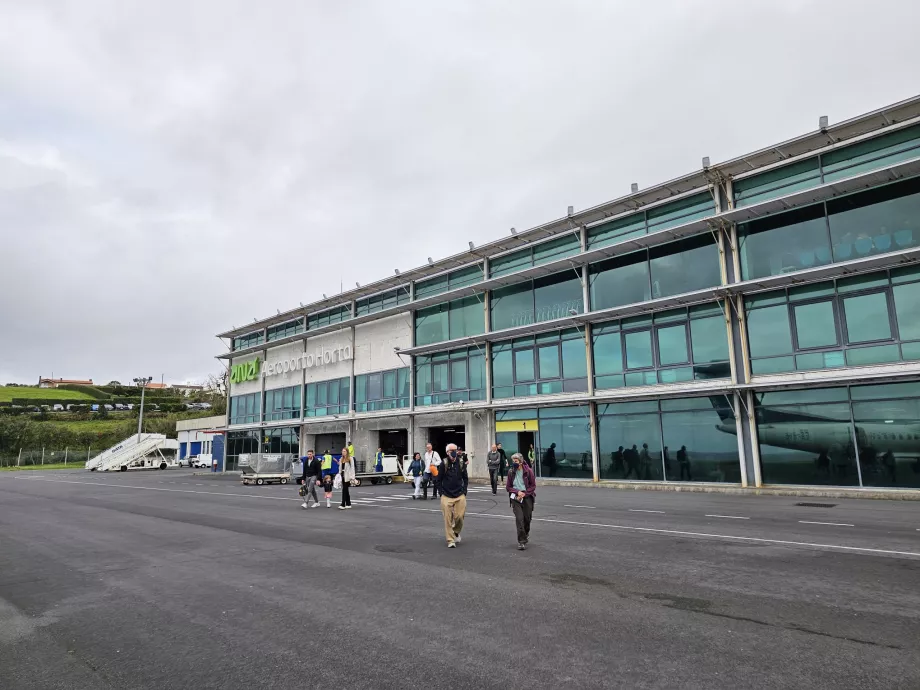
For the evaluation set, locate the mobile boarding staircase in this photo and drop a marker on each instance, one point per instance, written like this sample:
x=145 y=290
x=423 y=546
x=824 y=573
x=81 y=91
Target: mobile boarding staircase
x=134 y=454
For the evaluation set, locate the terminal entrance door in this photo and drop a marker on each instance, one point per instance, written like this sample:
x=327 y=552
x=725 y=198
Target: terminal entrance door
x=394 y=442
x=440 y=436
x=516 y=436
x=524 y=440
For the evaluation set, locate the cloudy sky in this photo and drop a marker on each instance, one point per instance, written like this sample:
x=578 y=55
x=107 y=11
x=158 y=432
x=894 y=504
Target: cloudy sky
x=171 y=169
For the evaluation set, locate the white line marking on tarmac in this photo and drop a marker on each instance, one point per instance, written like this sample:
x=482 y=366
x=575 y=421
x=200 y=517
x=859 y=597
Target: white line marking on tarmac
x=624 y=528
x=566 y=505
x=639 y=510
x=730 y=517
x=834 y=524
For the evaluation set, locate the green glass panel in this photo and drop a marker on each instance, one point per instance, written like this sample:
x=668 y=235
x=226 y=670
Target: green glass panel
x=867 y=317
x=676 y=375
x=641 y=378
x=604 y=382
x=787 y=242
x=524 y=365
x=638 y=349
x=709 y=339
x=502 y=371
x=630 y=446
x=548 y=359
x=906 y=274
x=907 y=308
x=569 y=245
x=864 y=282
x=773 y=365
x=880 y=220
x=608 y=354
x=617 y=230
x=680 y=212
x=465 y=276
x=879 y=354
x=776 y=183
x=557 y=296
x=769 y=332
x=814 y=325
x=624 y=280
x=672 y=345
x=910 y=351
x=574 y=359
x=871 y=154
x=432 y=324
x=458 y=375
x=503 y=265
x=466 y=317
x=697 y=447
x=684 y=266
x=389 y=384
x=819 y=360
x=512 y=306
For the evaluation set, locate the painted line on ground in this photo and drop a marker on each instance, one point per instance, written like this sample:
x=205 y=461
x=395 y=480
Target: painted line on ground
x=730 y=517
x=624 y=528
x=833 y=524
x=639 y=510
x=566 y=505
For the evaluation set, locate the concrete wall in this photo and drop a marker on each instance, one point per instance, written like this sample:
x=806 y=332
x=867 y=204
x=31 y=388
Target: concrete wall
x=330 y=341
x=284 y=379
x=246 y=387
x=374 y=343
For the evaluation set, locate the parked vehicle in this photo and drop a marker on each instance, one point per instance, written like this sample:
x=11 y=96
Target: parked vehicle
x=196 y=461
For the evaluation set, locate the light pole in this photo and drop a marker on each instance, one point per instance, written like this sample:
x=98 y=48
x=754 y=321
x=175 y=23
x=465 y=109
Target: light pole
x=142 y=382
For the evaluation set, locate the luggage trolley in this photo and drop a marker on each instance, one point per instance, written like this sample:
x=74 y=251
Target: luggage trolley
x=259 y=468
x=364 y=470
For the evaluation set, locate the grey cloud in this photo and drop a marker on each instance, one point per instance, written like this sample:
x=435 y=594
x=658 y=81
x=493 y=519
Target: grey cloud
x=168 y=170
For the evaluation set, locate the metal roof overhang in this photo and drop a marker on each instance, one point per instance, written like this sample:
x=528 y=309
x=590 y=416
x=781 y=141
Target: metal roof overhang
x=700 y=179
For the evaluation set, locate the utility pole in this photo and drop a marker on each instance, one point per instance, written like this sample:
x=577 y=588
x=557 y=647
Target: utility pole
x=142 y=382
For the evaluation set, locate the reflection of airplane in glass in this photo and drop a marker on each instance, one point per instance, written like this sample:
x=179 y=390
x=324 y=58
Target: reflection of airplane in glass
x=814 y=433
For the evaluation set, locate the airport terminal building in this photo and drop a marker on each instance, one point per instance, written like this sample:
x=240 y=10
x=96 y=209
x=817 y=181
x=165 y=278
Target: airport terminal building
x=753 y=323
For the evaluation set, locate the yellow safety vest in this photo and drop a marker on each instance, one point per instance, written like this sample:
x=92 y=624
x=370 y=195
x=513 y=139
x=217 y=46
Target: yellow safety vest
x=351 y=450
x=327 y=462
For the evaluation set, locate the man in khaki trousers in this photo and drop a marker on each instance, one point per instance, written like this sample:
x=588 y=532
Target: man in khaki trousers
x=454 y=482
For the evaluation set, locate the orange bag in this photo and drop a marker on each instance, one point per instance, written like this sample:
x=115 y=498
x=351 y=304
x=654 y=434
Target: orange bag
x=433 y=470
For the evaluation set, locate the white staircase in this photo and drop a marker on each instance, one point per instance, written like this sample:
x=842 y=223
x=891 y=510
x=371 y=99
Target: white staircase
x=93 y=463
x=134 y=454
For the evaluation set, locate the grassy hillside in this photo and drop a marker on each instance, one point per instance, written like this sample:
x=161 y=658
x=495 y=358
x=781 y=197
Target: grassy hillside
x=7 y=393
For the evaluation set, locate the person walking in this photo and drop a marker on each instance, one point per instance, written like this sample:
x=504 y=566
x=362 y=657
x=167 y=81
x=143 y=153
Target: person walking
x=683 y=462
x=531 y=456
x=347 y=472
x=549 y=460
x=631 y=456
x=494 y=461
x=504 y=463
x=378 y=461
x=432 y=468
x=312 y=472
x=454 y=482
x=417 y=472
x=645 y=463
x=522 y=492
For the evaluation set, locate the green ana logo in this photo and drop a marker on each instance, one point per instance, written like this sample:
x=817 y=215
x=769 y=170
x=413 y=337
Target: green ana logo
x=247 y=371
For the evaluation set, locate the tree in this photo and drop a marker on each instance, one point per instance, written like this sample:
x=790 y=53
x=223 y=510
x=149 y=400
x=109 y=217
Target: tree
x=216 y=384
x=114 y=383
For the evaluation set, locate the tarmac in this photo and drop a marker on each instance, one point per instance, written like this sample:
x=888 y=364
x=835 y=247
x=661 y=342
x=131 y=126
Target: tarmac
x=165 y=579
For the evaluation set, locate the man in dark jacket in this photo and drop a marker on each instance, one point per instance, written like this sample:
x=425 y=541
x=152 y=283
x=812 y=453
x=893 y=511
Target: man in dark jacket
x=312 y=471
x=454 y=482
x=504 y=462
x=493 y=462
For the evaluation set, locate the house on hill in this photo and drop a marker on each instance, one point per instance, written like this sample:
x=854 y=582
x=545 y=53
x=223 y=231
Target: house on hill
x=56 y=383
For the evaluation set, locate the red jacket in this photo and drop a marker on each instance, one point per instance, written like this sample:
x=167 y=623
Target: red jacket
x=530 y=482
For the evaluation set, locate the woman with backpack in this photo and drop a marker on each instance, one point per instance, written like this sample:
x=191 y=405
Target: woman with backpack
x=522 y=490
x=416 y=471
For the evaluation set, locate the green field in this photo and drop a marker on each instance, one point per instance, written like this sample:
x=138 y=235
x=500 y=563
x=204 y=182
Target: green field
x=7 y=393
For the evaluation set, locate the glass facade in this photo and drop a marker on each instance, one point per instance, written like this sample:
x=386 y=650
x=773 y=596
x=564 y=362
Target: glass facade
x=245 y=409
x=454 y=376
x=385 y=300
x=328 y=317
x=461 y=317
x=250 y=340
x=534 y=301
x=861 y=436
x=676 y=213
x=876 y=221
x=449 y=281
x=560 y=248
x=285 y=440
x=838 y=164
x=559 y=439
x=677 y=439
x=547 y=363
x=669 y=269
x=282 y=403
x=867 y=319
x=382 y=390
x=238 y=443
x=283 y=330
x=666 y=347
x=327 y=397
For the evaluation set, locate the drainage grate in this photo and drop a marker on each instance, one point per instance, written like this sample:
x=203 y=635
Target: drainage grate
x=817 y=505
